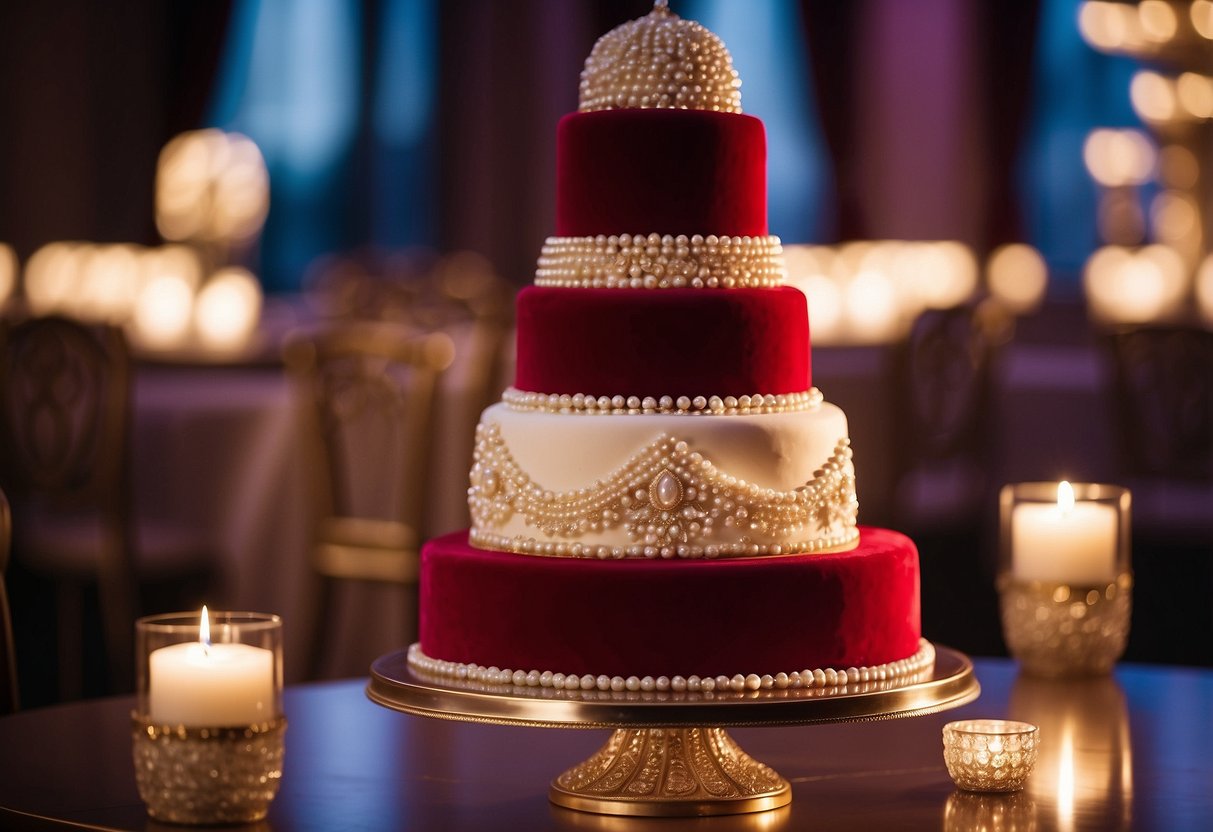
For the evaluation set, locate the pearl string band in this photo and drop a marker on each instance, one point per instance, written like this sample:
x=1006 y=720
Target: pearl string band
x=683 y=405
x=893 y=673
x=660 y=60
x=671 y=501
x=555 y=549
x=661 y=262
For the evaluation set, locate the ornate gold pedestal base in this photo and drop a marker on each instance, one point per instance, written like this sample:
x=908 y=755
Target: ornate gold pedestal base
x=670 y=772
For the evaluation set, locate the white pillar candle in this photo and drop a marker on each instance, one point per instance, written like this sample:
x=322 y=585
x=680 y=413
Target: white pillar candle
x=1068 y=542
x=202 y=684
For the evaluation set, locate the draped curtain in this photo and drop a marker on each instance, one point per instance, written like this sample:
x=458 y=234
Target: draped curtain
x=89 y=93
x=981 y=94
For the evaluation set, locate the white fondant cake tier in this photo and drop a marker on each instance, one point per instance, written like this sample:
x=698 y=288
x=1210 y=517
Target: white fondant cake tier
x=662 y=485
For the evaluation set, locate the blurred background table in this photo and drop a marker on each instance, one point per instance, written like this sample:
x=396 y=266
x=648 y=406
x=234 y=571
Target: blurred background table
x=218 y=451
x=1121 y=752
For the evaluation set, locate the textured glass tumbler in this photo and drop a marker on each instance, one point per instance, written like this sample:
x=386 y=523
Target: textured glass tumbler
x=207 y=732
x=989 y=755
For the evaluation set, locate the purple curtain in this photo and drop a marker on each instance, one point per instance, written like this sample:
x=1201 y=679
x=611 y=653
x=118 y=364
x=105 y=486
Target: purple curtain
x=1004 y=34
x=89 y=93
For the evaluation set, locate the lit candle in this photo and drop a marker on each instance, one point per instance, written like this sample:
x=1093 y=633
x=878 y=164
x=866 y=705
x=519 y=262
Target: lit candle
x=203 y=684
x=1070 y=542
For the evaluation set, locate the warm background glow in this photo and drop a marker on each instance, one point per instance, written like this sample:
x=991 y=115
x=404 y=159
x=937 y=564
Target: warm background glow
x=870 y=291
x=9 y=269
x=227 y=309
x=211 y=186
x=1017 y=277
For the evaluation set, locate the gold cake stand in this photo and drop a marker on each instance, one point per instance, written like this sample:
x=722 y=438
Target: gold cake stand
x=669 y=755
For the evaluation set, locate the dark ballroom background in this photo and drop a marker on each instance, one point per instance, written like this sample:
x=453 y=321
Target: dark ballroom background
x=1046 y=157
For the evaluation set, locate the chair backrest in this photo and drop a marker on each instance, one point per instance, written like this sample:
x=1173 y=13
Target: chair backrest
x=945 y=370
x=368 y=393
x=1164 y=400
x=65 y=403
x=64 y=407
x=9 y=699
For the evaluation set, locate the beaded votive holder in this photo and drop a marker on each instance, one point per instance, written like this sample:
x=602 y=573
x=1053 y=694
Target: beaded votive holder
x=207 y=729
x=989 y=755
x=1057 y=630
x=208 y=775
x=1065 y=582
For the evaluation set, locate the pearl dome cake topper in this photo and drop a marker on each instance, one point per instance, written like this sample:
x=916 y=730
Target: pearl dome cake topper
x=660 y=61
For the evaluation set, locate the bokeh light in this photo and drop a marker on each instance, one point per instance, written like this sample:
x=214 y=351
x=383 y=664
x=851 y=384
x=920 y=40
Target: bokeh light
x=870 y=291
x=1158 y=20
x=825 y=307
x=1017 y=277
x=163 y=311
x=1134 y=287
x=1107 y=26
x=1118 y=157
x=1153 y=97
x=1204 y=289
x=1195 y=94
x=52 y=277
x=1201 y=14
x=9 y=269
x=227 y=309
x=211 y=186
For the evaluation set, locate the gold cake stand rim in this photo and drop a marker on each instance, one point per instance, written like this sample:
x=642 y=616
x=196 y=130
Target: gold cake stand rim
x=394 y=685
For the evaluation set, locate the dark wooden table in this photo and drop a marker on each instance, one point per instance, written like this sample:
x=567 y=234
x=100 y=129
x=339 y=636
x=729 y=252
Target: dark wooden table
x=1134 y=751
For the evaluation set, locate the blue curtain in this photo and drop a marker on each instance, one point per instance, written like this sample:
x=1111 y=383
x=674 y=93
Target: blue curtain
x=768 y=50
x=339 y=98
x=1075 y=90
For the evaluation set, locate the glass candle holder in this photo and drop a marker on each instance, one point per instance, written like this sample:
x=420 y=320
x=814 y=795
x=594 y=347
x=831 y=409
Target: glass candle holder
x=1064 y=583
x=208 y=725
x=989 y=755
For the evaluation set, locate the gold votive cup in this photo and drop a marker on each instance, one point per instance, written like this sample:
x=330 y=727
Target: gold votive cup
x=1065 y=586
x=989 y=755
x=207 y=730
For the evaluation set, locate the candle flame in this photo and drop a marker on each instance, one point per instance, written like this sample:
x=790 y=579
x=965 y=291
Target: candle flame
x=1065 y=497
x=204 y=629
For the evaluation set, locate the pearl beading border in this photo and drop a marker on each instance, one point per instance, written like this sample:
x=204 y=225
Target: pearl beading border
x=559 y=549
x=587 y=403
x=922 y=659
x=669 y=499
x=655 y=261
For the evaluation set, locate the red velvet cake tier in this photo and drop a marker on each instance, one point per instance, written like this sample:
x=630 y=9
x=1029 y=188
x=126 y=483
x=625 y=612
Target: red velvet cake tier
x=665 y=618
x=666 y=342
x=664 y=171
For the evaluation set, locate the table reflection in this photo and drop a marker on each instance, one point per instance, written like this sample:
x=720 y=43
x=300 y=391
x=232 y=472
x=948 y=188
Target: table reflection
x=989 y=811
x=773 y=820
x=1084 y=774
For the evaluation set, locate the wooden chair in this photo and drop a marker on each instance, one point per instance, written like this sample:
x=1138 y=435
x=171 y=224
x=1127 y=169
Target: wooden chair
x=944 y=438
x=10 y=701
x=367 y=392
x=1163 y=386
x=944 y=448
x=1162 y=394
x=65 y=416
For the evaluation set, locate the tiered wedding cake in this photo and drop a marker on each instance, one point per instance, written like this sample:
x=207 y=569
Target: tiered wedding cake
x=663 y=500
